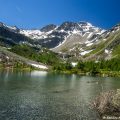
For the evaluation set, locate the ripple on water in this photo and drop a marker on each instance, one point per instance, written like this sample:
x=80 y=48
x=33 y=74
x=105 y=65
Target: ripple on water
x=47 y=96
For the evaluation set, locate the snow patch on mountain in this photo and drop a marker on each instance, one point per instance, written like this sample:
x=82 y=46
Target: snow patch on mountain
x=85 y=52
x=39 y=66
x=90 y=35
x=36 y=34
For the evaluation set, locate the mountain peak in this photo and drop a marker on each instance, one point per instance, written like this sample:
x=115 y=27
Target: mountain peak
x=11 y=28
x=48 y=28
x=68 y=26
x=51 y=35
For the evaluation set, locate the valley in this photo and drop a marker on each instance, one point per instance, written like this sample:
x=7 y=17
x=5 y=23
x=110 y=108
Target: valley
x=93 y=49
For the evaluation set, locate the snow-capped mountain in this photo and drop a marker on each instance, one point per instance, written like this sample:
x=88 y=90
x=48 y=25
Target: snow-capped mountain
x=10 y=28
x=80 y=39
x=10 y=35
x=52 y=36
x=39 y=34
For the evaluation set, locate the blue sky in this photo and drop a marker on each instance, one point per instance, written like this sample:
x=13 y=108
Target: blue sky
x=37 y=13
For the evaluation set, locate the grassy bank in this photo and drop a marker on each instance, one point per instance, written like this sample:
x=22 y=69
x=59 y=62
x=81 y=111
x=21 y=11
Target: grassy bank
x=101 y=73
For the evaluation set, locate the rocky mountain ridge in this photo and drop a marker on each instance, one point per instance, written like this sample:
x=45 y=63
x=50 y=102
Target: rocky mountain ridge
x=52 y=36
x=78 y=39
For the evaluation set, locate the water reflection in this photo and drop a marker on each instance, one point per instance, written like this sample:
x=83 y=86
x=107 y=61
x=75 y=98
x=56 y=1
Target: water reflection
x=41 y=95
x=39 y=73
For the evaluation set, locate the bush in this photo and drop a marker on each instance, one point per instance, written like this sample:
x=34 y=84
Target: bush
x=108 y=103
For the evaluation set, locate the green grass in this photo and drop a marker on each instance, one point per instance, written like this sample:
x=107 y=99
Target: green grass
x=42 y=55
x=99 y=49
x=116 y=51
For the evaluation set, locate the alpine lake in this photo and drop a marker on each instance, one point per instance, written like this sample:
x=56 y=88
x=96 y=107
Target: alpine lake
x=39 y=95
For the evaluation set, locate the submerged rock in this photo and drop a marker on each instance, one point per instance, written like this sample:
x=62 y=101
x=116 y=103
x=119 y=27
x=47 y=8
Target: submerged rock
x=108 y=103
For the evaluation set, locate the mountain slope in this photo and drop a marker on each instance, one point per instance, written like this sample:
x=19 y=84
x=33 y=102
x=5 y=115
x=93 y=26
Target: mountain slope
x=79 y=40
x=10 y=36
x=10 y=57
x=107 y=47
x=52 y=36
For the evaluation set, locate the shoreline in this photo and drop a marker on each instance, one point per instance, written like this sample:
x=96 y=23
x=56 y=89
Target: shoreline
x=101 y=74
x=76 y=72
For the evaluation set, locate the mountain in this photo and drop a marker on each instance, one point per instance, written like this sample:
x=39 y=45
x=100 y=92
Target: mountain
x=11 y=59
x=10 y=36
x=107 y=46
x=80 y=40
x=52 y=36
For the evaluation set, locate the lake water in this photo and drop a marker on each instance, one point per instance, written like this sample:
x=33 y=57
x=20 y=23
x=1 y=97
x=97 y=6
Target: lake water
x=49 y=96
